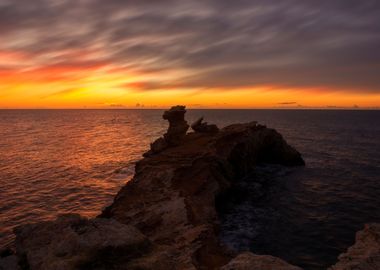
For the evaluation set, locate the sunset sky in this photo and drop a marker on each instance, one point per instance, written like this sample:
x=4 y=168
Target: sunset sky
x=205 y=54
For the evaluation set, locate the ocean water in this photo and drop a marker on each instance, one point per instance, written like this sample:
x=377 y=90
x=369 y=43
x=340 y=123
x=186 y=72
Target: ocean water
x=60 y=161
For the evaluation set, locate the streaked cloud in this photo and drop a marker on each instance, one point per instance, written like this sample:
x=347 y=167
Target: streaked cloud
x=195 y=45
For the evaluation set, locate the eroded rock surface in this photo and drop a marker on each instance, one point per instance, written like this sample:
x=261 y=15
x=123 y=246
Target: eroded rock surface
x=74 y=242
x=177 y=125
x=204 y=127
x=250 y=261
x=171 y=198
x=176 y=131
x=365 y=253
x=165 y=217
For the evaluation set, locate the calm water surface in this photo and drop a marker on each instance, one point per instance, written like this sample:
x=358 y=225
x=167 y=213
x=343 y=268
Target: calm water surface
x=59 y=161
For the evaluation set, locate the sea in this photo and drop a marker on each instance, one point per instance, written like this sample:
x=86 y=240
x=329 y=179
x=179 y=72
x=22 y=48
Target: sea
x=61 y=161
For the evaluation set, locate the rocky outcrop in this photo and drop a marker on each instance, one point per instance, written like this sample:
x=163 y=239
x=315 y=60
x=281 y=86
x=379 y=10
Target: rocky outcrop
x=165 y=217
x=177 y=125
x=365 y=253
x=175 y=133
x=250 y=261
x=204 y=127
x=171 y=198
x=157 y=146
x=74 y=242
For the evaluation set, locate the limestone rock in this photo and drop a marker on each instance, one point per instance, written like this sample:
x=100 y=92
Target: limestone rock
x=177 y=125
x=73 y=242
x=158 y=145
x=250 y=261
x=172 y=197
x=365 y=253
x=200 y=126
x=176 y=131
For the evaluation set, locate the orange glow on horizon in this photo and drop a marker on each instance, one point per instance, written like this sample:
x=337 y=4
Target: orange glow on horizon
x=103 y=85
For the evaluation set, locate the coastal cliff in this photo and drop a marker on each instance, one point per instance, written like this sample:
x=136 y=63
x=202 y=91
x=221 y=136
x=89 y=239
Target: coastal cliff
x=171 y=198
x=365 y=253
x=166 y=217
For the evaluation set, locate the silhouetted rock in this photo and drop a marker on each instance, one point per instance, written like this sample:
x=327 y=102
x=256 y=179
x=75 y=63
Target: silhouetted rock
x=74 y=242
x=158 y=145
x=177 y=125
x=171 y=198
x=8 y=260
x=204 y=127
x=365 y=253
x=250 y=261
x=176 y=131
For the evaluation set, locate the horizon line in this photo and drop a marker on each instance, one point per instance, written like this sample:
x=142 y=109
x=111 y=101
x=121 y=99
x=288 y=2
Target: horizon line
x=164 y=108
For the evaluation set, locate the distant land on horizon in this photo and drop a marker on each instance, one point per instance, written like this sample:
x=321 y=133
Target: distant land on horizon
x=327 y=108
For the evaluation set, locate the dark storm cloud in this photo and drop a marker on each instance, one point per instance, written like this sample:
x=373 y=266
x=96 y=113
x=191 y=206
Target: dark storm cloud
x=219 y=43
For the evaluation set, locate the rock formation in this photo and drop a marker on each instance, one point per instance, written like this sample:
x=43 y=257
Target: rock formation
x=199 y=126
x=177 y=125
x=171 y=198
x=249 y=261
x=175 y=133
x=157 y=146
x=73 y=242
x=365 y=254
x=165 y=217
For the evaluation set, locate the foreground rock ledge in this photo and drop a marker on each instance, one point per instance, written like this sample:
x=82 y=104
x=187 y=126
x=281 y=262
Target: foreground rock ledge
x=165 y=217
x=365 y=254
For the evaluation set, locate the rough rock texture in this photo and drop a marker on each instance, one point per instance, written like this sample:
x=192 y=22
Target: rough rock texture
x=157 y=146
x=175 y=133
x=171 y=198
x=171 y=201
x=365 y=253
x=177 y=125
x=250 y=261
x=200 y=126
x=73 y=242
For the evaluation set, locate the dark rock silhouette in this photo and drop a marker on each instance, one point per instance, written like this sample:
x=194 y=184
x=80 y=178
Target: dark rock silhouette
x=177 y=125
x=74 y=242
x=172 y=197
x=157 y=146
x=166 y=216
x=204 y=127
x=175 y=133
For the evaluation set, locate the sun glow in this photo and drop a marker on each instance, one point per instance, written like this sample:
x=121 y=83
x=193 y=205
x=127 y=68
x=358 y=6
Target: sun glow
x=105 y=85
